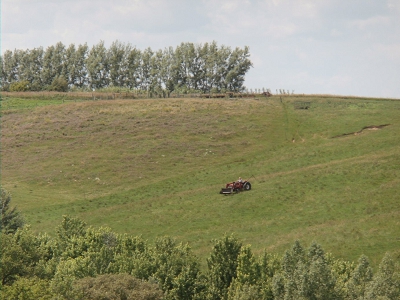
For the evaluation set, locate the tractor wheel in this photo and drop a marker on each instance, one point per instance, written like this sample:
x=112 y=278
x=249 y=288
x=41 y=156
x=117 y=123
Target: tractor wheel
x=247 y=186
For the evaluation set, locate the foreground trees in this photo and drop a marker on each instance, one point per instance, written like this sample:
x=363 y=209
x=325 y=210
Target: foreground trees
x=187 y=68
x=11 y=218
x=83 y=262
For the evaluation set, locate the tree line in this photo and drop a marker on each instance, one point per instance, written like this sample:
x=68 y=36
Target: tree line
x=82 y=262
x=187 y=68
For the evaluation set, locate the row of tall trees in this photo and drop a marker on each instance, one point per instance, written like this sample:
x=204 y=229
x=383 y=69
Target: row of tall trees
x=83 y=262
x=188 y=67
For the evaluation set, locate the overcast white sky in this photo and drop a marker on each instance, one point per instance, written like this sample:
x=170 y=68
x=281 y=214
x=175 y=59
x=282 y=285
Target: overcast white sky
x=343 y=47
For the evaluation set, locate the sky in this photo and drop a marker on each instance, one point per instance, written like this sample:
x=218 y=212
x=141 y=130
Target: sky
x=338 y=47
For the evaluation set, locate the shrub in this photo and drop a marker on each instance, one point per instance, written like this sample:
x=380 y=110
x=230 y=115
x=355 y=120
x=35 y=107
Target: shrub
x=20 y=86
x=59 y=84
x=115 y=287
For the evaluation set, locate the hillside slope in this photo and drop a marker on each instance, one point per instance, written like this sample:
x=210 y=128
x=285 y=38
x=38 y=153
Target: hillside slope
x=322 y=168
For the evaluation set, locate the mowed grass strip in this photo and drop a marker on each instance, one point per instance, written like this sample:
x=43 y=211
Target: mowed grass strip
x=155 y=167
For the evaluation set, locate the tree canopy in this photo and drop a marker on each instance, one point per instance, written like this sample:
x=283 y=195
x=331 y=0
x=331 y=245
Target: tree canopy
x=187 y=68
x=83 y=262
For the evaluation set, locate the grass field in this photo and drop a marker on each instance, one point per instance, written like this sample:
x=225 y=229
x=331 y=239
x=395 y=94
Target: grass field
x=329 y=173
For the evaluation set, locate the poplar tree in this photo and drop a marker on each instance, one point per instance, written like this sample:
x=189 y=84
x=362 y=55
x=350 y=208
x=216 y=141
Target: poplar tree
x=98 y=66
x=201 y=69
x=133 y=60
x=70 y=54
x=189 y=59
x=179 y=68
x=157 y=66
x=10 y=67
x=54 y=64
x=58 y=61
x=145 y=72
x=117 y=62
x=78 y=73
x=31 y=62
x=222 y=58
x=238 y=65
x=48 y=73
x=196 y=66
x=210 y=54
x=187 y=68
x=166 y=75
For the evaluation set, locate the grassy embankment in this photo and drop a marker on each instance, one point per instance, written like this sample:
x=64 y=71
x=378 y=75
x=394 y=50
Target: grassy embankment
x=155 y=167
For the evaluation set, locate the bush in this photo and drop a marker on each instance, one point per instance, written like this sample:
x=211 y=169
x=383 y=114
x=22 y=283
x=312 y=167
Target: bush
x=59 y=84
x=115 y=287
x=5 y=87
x=20 y=86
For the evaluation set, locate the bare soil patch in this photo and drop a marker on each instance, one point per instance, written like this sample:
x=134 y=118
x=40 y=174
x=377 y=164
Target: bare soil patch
x=371 y=127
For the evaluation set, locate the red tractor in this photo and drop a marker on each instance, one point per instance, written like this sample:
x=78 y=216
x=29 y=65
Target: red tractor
x=236 y=187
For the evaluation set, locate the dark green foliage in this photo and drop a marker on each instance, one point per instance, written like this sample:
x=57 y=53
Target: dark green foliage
x=12 y=260
x=21 y=254
x=11 y=219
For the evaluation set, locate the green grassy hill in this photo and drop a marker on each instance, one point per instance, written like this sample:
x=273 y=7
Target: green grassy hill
x=329 y=173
